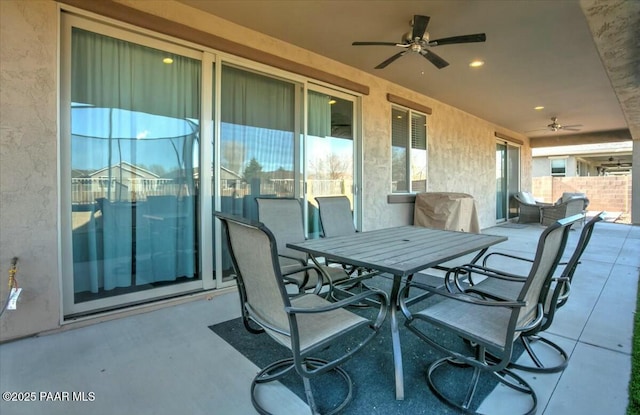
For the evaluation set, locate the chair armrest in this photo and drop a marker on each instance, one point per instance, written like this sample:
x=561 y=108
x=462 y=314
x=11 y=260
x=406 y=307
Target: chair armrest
x=491 y=272
x=484 y=261
x=458 y=296
x=468 y=270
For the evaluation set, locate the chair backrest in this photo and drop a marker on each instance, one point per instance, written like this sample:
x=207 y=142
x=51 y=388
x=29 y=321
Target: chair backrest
x=567 y=196
x=283 y=217
x=549 y=251
x=574 y=206
x=559 y=298
x=255 y=259
x=583 y=241
x=335 y=216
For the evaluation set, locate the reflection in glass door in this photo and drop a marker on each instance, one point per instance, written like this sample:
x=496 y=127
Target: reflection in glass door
x=507 y=180
x=329 y=152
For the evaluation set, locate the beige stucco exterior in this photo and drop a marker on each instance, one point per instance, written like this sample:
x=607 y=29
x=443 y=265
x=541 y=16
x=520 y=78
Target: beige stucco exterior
x=461 y=149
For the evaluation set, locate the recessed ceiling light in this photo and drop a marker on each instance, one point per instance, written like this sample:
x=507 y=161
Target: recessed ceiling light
x=538 y=108
x=167 y=60
x=476 y=63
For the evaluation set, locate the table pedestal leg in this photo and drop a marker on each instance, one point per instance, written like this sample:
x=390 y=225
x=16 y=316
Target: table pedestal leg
x=395 y=339
x=397 y=354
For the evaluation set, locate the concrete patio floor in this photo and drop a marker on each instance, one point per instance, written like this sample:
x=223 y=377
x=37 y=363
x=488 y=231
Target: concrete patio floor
x=168 y=362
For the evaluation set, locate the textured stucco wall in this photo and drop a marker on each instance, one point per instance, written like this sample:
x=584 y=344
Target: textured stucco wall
x=461 y=148
x=28 y=164
x=610 y=22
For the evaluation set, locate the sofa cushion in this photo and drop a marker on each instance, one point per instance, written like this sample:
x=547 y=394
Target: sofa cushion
x=527 y=198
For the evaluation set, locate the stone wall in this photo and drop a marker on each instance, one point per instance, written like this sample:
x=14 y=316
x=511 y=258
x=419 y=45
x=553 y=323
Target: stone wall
x=609 y=193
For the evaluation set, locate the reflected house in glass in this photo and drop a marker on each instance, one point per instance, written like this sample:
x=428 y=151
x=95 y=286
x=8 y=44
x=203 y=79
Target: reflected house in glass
x=127 y=182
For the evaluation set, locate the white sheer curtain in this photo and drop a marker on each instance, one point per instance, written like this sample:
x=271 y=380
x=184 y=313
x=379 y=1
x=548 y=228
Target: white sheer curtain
x=134 y=152
x=319 y=114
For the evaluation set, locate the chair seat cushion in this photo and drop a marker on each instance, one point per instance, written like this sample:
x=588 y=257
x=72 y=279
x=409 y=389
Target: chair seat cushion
x=482 y=324
x=316 y=328
x=336 y=273
x=527 y=197
x=498 y=288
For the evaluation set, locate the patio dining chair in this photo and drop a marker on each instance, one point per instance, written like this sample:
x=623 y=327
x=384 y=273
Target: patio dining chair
x=490 y=323
x=335 y=216
x=337 y=220
x=283 y=217
x=306 y=324
x=556 y=297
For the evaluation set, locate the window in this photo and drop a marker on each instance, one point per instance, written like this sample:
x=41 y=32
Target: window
x=408 y=151
x=558 y=167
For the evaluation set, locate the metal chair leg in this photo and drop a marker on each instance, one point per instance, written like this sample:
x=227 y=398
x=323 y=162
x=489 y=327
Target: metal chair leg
x=277 y=370
x=445 y=393
x=538 y=365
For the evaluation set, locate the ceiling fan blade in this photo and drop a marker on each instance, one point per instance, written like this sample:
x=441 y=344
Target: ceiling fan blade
x=419 y=26
x=391 y=59
x=478 y=37
x=570 y=129
x=572 y=126
x=434 y=59
x=378 y=44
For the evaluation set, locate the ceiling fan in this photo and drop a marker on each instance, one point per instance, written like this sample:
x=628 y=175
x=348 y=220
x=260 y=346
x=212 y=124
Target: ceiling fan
x=618 y=164
x=417 y=41
x=556 y=126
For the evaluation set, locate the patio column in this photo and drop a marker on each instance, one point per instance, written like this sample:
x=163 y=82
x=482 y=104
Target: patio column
x=635 y=184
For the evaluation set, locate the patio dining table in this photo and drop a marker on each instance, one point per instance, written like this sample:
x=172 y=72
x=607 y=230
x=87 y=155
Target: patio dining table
x=401 y=252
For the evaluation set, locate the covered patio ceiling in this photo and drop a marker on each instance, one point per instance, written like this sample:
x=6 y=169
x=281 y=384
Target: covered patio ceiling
x=537 y=53
x=611 y=157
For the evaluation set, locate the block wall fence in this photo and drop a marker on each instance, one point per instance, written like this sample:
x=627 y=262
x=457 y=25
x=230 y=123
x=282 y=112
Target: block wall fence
x=609 y=193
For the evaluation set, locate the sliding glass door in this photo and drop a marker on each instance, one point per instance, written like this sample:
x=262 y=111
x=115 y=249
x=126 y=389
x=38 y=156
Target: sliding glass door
x=139 y=116
x=257 y=144
x=507 y=180
x=329 y=150
x=131 y=160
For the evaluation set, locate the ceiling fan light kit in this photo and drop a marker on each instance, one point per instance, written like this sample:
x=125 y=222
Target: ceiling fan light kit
x=417 y=41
